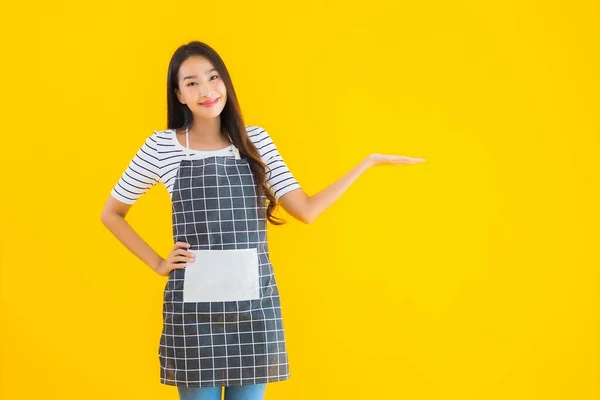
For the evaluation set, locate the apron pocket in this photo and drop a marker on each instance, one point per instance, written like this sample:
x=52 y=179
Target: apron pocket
x=222 y=275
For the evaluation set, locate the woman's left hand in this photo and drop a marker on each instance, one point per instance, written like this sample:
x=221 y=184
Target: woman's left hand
x=391 y=159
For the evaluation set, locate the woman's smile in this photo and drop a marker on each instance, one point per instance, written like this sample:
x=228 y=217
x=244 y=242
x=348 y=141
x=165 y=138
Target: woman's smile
x=210 y=103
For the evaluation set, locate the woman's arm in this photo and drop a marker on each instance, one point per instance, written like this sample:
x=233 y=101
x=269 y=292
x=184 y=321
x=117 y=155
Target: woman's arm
x=113 y=217
x=307 y=208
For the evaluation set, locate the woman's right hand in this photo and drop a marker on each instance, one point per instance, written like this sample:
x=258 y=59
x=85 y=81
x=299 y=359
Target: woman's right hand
x=177 y=259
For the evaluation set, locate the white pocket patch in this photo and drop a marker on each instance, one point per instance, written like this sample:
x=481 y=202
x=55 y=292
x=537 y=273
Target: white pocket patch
x=222 y=275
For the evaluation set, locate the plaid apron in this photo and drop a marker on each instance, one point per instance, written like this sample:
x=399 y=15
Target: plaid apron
x=217 y=336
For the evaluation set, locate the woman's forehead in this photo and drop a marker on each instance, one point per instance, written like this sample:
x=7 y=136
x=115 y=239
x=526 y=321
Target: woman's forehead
x=196 y=65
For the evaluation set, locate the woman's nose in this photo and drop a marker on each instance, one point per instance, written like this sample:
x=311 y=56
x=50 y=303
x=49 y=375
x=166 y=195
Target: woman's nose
x=204 y=90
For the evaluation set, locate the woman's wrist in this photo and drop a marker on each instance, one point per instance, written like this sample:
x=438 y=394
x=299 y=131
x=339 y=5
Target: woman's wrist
x=156 y=264
x=367 y=162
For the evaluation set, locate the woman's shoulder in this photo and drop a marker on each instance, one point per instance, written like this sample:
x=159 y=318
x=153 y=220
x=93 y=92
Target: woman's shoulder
x=161 y=144
x=163 y=138
x=257 y=133
x=163 y=134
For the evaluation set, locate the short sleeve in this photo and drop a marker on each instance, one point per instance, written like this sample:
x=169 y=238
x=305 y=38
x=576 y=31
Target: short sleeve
x=141 y=174
x=279 y=177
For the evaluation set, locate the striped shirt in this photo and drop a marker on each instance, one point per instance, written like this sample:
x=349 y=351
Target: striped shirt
x=158 y=159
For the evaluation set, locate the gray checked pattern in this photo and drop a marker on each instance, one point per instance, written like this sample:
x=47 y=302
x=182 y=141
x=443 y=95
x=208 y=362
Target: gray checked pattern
x=215 y=206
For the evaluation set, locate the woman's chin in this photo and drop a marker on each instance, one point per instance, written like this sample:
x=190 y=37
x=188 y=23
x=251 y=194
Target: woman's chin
x=205 y=114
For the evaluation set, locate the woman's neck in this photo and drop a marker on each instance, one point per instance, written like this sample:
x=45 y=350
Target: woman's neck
x=206 y=132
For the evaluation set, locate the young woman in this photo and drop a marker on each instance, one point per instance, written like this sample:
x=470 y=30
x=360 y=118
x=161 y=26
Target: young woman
x=222 y=322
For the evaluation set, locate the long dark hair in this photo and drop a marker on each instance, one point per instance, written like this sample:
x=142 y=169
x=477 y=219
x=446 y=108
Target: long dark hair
x=232 y=120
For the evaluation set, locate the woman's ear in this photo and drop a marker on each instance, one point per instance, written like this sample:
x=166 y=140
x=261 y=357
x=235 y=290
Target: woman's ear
x=178 y=93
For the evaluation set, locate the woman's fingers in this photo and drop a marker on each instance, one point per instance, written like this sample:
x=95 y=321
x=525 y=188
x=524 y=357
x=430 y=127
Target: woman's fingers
x=177 y=266
x=383 y=159
x=186 y=253
x=180 y=249
x=182 y=259
x=179 y=245
x=409 y=160
x=417 y=160
x=179 y=256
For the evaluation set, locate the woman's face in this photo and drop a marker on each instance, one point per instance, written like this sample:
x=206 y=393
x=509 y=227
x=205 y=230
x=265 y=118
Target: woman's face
x=200 y=83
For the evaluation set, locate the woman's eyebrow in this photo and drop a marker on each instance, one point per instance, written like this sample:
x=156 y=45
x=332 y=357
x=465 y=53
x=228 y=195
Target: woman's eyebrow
x=195 y=76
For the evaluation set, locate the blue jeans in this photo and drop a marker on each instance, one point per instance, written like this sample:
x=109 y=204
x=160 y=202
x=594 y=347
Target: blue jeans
x=245 y=392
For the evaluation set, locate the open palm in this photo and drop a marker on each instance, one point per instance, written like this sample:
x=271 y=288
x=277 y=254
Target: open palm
x=391 y=159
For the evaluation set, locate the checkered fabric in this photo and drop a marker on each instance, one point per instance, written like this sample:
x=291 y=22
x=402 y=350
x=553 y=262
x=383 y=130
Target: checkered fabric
x=215 y=206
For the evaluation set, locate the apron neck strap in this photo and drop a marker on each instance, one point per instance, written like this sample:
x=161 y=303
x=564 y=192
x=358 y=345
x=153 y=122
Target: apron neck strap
x=187 y=137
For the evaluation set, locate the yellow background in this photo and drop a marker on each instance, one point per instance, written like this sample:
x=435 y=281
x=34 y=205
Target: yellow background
x=472 y=276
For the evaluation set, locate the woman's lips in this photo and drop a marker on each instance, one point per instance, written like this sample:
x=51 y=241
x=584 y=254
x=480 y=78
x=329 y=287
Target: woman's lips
x=207 y=104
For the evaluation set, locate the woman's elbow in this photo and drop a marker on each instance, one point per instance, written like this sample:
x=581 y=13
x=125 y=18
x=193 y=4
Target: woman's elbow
x=105 y=218
x=307 y=218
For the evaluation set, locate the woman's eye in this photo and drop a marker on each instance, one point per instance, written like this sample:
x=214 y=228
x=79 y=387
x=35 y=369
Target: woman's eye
x=214 y=76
